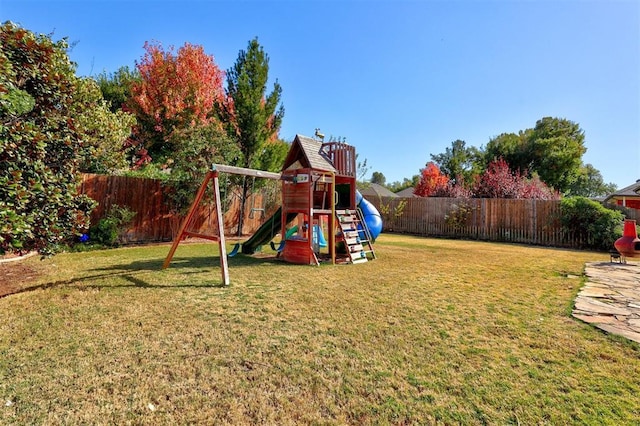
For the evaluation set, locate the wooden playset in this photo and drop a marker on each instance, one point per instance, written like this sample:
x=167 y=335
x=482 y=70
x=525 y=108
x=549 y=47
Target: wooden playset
x=318 y=196
x=319 y=188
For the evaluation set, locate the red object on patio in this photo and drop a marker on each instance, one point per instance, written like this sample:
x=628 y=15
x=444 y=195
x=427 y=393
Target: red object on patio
x=629 y=244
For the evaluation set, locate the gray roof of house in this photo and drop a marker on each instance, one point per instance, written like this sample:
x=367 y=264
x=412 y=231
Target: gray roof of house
x=632 y=190
x=407 y=192
x=375 y=190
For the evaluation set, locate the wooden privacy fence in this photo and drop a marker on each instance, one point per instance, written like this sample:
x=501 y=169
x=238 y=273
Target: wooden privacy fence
x=155 y=220
x=492 y=219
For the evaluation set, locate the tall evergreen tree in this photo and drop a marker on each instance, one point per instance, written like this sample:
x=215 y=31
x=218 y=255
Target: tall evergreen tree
x=252 y=118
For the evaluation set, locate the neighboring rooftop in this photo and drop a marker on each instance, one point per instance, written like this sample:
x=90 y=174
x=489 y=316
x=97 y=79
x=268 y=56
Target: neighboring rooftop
x=407 y=193
x=375 y=190
x=632 y=190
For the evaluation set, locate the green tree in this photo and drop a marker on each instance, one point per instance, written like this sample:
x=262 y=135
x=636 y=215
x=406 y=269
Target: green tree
x=589 y=183
x=593 y=224
x=116 y=87
x=197 y=149
x=39 y=144
x=378 y=178
x=398 y=186
x=252 y=117
x=555 y=148
x=103 y=132
x=510 y=147
x=459 y=162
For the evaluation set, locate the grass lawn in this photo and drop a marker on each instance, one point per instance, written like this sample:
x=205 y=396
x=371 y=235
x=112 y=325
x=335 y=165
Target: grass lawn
x=433 y=331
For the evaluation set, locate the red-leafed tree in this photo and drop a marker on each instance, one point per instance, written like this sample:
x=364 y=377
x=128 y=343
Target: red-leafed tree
x=535 y=188
x=498 y=181
x=432 y=181
x=176 y=90
x=456 y=189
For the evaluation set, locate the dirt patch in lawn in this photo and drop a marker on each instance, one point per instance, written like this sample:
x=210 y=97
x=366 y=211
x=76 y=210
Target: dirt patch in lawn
x=15 y=275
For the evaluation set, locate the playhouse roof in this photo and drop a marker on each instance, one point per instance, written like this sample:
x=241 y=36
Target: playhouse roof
x=306 y=151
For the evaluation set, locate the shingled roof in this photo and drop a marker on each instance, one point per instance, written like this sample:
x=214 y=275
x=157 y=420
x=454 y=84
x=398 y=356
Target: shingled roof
x=632 y=190
x=407 y=192
x=306 y=151
x=375 y=190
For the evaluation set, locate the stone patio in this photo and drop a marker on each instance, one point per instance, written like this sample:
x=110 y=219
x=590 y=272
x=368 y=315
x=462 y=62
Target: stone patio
x=610 y=299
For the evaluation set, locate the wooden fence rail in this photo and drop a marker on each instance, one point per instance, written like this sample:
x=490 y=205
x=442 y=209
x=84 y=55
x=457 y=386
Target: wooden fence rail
x=155 y=220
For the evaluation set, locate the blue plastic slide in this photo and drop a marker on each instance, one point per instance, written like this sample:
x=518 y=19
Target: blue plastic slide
x=371 y=215
x=318 y=237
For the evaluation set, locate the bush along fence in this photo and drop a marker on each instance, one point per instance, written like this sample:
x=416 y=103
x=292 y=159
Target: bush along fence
x=156 y=220
x=525 y=221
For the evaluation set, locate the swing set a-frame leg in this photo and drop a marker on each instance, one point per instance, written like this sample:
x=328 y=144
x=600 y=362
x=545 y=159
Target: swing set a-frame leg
x=183 y=230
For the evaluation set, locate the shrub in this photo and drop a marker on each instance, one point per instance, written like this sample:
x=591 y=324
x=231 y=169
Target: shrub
x=390 y=213
x=40 y=207
x=459 y=215
x=595 y=225
x=109 y=230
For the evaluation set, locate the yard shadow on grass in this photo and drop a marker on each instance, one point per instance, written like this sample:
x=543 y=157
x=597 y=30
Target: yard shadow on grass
x=136 y=271
x=188 y=265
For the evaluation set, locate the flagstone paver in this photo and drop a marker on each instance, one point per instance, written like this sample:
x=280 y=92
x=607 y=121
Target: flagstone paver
x=610 y=299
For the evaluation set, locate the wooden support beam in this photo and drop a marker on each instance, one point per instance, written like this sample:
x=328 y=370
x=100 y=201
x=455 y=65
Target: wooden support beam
x=184 y=231
x=224 y=265
x=203 y=236
x=244 y=171
x=187 y=220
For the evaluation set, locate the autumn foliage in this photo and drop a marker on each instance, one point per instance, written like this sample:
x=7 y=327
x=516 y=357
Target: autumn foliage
x=432 y=181
x=176 y=90
x=498 y=181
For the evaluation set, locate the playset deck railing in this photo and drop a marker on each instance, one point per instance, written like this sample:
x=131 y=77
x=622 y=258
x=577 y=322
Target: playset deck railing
x=342 y=156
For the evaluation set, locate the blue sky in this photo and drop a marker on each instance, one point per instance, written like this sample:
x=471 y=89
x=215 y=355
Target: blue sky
x=399 y=79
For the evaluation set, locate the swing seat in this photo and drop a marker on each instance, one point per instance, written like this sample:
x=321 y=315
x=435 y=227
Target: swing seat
x=279 y=248
x=235 y=249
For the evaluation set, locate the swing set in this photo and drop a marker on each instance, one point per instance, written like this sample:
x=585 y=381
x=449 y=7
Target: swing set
x=185 y=231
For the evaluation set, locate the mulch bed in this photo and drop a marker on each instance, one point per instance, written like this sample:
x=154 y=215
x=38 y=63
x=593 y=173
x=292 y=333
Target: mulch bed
x=14 y=276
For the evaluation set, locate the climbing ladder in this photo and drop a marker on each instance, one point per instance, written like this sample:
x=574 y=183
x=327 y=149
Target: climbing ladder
x=356 y=236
